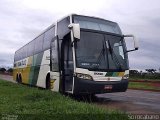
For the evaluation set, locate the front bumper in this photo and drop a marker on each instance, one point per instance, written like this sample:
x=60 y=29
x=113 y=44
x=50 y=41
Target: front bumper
x=82 y=86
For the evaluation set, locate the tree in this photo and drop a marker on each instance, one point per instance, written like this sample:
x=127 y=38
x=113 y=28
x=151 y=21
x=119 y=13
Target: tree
x=133 y=72
x=151 y=70
x=10 y=70
x=2 y=70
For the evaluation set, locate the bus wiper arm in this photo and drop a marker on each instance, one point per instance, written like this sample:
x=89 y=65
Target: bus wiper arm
x=114 y=56
x=100 y=57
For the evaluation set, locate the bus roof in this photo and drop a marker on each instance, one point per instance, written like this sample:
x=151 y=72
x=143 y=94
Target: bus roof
x=59 y=21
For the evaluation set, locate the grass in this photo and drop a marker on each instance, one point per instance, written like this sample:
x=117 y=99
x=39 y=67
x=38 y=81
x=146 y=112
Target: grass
x=24 y=102
x=142 y=85
x=143 y=79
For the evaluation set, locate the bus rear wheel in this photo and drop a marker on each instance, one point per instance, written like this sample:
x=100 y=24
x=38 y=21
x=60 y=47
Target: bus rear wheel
x=17 y=78
x=20 y=78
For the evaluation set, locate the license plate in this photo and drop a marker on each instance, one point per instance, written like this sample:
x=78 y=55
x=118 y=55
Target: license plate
x=108 y=87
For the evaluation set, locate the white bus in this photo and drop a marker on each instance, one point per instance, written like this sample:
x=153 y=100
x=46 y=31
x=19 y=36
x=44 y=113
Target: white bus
x=77 y=55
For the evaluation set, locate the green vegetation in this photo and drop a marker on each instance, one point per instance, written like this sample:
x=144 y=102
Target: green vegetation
x=143 y=85
x=150 y=74
x=24 y=102
x=143 y=79
x=4 y=71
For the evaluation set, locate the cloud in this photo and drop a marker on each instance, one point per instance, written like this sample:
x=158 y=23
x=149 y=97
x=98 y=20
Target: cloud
x=147 y=56
x=22 y=20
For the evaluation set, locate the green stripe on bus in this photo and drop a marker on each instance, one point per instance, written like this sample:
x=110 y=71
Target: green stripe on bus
x=112 y=74
x=109 y=74
x=31 y=70
x=115 y=74
x=34 y=72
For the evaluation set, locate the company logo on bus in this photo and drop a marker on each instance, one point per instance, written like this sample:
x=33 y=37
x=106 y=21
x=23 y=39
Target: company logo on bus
x=21 y=63
x=97 y=73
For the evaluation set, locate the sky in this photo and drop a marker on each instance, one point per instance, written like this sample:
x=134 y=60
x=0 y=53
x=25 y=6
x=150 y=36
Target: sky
x=22 y=20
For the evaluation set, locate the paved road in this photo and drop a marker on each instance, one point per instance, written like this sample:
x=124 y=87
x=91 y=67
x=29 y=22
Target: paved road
x=7 y=77
x=132 y=101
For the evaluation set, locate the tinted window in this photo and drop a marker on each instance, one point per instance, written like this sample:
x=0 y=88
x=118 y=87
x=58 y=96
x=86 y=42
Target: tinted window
x=68 y=58
x=22 y=53
x=30 y=48
x=63 y=29
x=96 y=51
x=54 y=56
x=97 y=24
x=38 y=44
x=117 y=56
x=49 y=35
x=90 y=51
x=18 y=55
x=15 y=56
x=25 y=51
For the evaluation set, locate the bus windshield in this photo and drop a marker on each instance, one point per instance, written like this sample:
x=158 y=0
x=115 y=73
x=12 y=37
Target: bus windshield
x=97 y=51
x=97 y=24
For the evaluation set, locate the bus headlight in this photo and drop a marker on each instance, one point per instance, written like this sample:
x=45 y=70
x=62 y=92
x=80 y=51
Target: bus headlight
x=84 y=76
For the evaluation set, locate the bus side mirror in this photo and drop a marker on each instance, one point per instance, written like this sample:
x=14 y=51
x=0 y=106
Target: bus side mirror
x=76 y=30
x=136 y=46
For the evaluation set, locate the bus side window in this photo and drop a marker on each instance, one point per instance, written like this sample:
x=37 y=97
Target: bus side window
x=68 y=58
x=54 y=55
x=48 y=36
x=30 y=48
x=38 y=44
x=62 y=28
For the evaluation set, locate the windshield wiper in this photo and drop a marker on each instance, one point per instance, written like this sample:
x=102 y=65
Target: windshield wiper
x=114 y=56
x=100 y=57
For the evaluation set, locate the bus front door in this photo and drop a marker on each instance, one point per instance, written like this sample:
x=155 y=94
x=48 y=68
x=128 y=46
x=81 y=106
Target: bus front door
x=67 y=66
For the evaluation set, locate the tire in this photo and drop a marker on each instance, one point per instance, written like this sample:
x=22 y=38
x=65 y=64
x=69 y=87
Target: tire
x=20 y=78
x=17 y=78
x=62 y=86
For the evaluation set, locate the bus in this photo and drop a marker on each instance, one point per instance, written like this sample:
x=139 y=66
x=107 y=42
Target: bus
x=76 y=55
